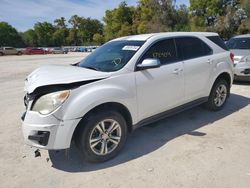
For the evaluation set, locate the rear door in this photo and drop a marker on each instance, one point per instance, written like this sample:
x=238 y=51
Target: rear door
x=162 y=88
x=198 y=60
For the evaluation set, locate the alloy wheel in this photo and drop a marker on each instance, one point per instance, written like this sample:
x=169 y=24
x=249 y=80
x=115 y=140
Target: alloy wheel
x=105 y=137
x=221 y=95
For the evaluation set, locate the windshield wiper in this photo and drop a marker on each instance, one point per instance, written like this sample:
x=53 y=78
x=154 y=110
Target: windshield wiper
x=92 y=68
x=75 y=64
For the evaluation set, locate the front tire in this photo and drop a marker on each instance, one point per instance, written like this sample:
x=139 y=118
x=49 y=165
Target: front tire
x=101 y=136
x=218 y=95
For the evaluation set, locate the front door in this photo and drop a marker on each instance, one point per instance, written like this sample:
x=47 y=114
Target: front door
x=162 y=88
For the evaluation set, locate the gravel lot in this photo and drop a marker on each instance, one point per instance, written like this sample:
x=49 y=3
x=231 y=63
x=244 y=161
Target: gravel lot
x=195 y=148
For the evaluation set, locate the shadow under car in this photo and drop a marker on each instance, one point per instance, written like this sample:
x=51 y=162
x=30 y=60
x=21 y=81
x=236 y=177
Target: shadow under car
x=151 y=137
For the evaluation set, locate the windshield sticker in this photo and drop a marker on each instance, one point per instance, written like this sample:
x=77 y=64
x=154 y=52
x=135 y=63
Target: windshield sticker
x=132 y=48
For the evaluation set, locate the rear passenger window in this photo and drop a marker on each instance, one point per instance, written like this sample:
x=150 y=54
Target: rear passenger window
x=191 y=47
x=163 y=50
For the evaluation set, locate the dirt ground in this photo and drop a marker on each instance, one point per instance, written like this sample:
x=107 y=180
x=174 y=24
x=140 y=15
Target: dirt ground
x=195 y=148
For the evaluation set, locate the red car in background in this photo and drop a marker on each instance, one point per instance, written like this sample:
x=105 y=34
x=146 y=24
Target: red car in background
x=31 y=51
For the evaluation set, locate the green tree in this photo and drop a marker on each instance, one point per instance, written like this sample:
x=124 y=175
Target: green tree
x=98 y=38
x=222 y=16
x=244 y=27
x=61 y=32
x=9 y=36
x=150 y=17
x=29 y=38
x=181 y=19
x=119 y=21
x=87 y=28
x=160 y=15
x=44 y=32
x=73 y=38
x=60 y=23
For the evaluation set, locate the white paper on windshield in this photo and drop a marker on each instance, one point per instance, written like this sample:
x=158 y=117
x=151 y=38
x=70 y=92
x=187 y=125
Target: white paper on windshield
x=132 y=48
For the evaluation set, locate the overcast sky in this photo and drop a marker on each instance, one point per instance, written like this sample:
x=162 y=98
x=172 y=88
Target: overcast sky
x=22 y=14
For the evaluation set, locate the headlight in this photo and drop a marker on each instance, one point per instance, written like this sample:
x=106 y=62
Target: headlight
x=50 y=102
x=245 y=59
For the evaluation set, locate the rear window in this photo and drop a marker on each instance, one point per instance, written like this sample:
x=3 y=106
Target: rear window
x=217 y=40
x=239 y=43
x=192 y=47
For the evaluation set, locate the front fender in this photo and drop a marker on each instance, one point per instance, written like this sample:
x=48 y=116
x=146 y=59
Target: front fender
x=87 y=97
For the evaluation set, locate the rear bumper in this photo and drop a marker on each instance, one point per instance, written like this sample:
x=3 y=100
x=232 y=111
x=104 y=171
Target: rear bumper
x=242 y=78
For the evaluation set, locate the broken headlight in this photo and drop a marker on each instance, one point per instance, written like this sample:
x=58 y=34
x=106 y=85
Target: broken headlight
x=50 y=102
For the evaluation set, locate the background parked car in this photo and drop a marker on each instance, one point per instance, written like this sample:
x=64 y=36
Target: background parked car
x=9 y=51
x=82 y=49
x=58 y=50
x=31 y=51
x=240 y=46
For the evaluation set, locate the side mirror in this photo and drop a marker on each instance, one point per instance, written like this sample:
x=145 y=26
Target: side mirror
x=149 y=63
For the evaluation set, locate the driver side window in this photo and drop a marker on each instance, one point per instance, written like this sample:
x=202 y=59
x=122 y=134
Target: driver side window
x=163 y=50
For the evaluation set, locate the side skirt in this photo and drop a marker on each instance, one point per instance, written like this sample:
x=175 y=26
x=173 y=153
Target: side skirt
x=170 y=112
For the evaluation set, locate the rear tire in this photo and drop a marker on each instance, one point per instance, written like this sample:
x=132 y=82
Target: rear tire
x=218 y=95
x=101 y=136
x=1 y=54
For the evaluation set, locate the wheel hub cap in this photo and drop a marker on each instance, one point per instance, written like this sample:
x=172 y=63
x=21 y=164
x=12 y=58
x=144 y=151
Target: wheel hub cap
x=105 y=137
x=221 y=95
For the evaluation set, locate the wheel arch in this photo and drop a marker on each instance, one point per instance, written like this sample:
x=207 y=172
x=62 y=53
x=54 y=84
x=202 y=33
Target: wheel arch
x=226 y=76
x=120 y=108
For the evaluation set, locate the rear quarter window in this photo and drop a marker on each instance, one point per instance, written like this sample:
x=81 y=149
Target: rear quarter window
x=217 y=40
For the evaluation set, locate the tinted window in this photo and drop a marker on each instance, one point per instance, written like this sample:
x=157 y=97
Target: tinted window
x=217 y=40
x=8 y=48
x=191 y=47
x=239 y=43
x=163 y=50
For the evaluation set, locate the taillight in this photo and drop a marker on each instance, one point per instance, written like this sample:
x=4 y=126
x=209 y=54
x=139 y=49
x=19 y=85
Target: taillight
x=232 y=57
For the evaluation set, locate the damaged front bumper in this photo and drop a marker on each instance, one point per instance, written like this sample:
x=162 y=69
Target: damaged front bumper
x=47 y=131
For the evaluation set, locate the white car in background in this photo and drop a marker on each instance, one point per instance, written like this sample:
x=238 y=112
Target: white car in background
x=240 y=46
x=124 y=84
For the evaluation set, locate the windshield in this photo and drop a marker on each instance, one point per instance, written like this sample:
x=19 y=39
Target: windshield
x=112 y=56
x=239 y=43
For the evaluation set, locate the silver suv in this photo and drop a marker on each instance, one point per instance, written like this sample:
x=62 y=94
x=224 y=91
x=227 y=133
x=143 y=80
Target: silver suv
x=9 y=51
x=124 y=84
x=240 y=46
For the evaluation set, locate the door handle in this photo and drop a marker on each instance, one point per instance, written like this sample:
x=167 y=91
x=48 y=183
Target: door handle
x=177 y=71
x=209 y=61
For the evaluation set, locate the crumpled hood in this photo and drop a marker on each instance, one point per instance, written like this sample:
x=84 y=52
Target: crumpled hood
x=60 y=74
